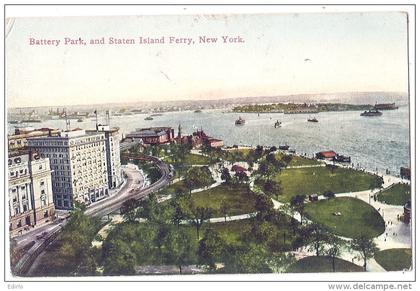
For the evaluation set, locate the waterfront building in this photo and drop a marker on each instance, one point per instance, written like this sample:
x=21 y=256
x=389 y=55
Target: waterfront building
x=326 y=155
x=79 y=163
x=18 y=140
x=405 y=173
x=113 y=161
x=214 y=142
x=198 y=139
x=30 y=191
x=152 y=135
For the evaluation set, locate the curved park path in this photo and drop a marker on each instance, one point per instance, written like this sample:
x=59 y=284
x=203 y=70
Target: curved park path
x=396 y=235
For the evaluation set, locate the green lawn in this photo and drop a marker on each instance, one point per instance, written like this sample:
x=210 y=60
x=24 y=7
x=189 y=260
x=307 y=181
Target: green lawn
x=357 y=217
x=173 y=188
x=322 y=264
x=398 y=194
x=320 y=179
x=299 y=161
x=394 y=259
x=192 y=159
x=237 y=198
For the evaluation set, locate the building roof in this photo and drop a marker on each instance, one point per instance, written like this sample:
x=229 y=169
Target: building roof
x=328 y=154
x=238 y=168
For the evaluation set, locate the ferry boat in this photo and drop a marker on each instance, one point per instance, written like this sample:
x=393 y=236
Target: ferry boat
x=371 y=112
x=312 y=120
x=240 y=121
x=385 y=106
x=277 y=124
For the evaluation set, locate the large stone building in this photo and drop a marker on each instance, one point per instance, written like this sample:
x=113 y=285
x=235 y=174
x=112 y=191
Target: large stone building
x=30 y=191
x=112 y=146
x=79 y=163
x=152 y=135
x=18 y=140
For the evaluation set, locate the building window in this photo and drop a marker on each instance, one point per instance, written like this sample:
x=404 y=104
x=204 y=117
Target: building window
x=40 y=167
x=42 y=183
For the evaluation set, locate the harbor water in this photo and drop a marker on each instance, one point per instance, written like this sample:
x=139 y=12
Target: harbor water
x=374 y=143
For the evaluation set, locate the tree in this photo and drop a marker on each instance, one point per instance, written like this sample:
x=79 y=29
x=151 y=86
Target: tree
x=279 y=262
x=197 y=177
x=316 y=237
x=266 y=169
x=246 y=259
x=210 y=248
x=264 y=206
x=335 y=246
x=273 y=188
x=119 y=259
x=298 y=204
x=198 y=215
x=287 y=159
x=178 y=214
x=128 y=209
x=147 y=208
x=179 y=248
x=366 y=248
x=263 y=232
x=225 y=176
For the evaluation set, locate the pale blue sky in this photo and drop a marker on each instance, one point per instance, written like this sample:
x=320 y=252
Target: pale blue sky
x=348 y=52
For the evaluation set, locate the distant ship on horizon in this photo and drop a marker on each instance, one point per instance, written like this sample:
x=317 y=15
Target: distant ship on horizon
x=239 y=121
x=385 y=106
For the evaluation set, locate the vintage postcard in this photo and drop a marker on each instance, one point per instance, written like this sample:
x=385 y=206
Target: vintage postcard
x=211 y=143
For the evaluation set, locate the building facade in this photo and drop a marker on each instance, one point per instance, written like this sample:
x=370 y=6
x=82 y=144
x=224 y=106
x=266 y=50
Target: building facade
x=112 y=146
x=79 y=164
x=152 y=135
x=18 y=140
x=30 y=191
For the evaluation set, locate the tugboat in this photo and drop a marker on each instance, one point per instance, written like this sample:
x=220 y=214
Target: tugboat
x=277 y=124
x=239 y=121
x=148 y=118
x=312 y=120
x=371 y=112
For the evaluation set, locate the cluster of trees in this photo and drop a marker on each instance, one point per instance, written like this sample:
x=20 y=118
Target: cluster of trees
x=325 y=243
x=267 y=169
x=279 y=107
x=72 y=254
x=167 y=237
